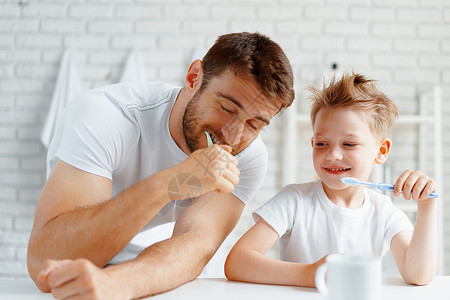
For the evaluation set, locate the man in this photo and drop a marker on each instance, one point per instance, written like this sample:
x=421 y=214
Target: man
x=128 y=157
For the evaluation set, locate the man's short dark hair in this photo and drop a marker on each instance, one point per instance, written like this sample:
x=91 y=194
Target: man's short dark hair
x=255 y=55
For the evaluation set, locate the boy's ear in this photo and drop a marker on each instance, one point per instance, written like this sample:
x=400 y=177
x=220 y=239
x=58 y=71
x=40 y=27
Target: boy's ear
x=383 y=151
x=312 y=142
x=194 y=75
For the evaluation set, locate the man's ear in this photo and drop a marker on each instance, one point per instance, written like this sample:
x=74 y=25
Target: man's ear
x=383 y=151
x=194 y=76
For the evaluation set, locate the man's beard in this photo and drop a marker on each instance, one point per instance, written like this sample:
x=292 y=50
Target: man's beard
x=192 y=114
x=190 y=122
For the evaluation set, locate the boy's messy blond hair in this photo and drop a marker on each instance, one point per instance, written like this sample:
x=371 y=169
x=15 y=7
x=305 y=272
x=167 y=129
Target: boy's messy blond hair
x=357 y=92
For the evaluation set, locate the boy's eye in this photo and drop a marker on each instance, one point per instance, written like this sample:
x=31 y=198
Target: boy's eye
x=320 y=144
x=350 y=144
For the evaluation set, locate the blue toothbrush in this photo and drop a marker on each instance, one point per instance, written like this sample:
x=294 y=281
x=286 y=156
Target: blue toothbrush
x=381 y=186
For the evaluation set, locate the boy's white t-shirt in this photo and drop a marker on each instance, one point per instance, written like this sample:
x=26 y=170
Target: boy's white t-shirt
x=121 y=132
x=310 y=226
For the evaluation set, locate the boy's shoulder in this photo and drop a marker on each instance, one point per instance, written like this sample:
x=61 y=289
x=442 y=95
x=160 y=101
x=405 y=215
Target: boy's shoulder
x=303 y=190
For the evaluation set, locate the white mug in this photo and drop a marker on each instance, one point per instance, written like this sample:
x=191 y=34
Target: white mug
x=350 y=277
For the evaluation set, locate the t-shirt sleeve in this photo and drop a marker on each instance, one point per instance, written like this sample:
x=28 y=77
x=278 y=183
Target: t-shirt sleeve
x=92 y=136
x=253 y=168
x=279 y=212
x=396 y=221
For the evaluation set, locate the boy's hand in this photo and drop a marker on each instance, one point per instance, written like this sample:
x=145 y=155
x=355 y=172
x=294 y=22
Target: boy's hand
x=313 y=269
x=415 y=185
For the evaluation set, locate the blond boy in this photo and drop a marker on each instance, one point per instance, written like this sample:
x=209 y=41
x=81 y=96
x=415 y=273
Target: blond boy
x=351 y=122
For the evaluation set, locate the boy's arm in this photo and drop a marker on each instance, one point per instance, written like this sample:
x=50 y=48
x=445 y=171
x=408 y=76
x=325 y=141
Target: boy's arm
x=247 y=262
x=415 y=253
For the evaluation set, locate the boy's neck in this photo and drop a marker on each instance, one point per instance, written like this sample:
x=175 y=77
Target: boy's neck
x=351 y=197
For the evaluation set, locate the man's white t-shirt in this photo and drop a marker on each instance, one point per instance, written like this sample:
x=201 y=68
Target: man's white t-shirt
x=310 y=226
x=121 y=132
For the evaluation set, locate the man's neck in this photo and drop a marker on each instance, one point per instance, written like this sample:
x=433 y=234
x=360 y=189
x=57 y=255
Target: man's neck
x=176 y=121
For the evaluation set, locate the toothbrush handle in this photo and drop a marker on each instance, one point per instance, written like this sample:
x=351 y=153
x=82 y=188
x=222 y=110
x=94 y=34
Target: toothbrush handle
x=385 y=187
x=390 y=187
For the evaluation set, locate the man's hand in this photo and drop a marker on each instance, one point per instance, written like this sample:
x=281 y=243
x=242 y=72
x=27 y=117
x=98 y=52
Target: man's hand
x=414 y=185
x=80 y=279
x=215 y=168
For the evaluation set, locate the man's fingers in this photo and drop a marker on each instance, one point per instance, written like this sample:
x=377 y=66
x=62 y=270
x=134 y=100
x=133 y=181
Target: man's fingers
x=234 y=169
x=68 y=272
x=232 y=177
x=50 y=266
x=69 y=290
x=226 y=148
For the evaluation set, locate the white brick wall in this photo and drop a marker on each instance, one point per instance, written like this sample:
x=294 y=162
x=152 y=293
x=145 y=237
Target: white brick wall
x=403 y=43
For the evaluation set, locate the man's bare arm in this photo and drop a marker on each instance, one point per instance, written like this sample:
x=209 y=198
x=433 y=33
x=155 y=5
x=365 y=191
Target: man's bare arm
x=198 y=233
x=76 y=217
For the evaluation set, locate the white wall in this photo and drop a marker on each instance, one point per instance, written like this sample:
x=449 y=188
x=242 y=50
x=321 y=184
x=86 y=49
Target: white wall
x=405 y=44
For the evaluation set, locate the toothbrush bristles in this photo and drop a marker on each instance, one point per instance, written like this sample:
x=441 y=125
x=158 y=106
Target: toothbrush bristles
x=349 y=180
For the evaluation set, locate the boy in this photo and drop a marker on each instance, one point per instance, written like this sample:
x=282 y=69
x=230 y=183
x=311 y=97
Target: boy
x=351 y=120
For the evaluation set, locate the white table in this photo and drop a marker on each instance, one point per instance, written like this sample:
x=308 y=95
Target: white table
x=221 y=289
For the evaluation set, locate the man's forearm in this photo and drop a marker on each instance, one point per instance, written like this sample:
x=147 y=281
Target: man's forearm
x=198 y=233
x=165 y=265
x=98 y=232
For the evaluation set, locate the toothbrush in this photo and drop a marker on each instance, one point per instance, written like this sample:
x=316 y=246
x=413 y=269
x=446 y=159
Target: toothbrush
x=208 y=136
x=381 y=186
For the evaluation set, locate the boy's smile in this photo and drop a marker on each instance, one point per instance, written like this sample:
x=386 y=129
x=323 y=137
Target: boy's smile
x=343 y=146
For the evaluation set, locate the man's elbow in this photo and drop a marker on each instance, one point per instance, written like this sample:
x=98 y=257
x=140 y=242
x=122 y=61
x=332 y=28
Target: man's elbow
x=33 y=271
x=35 y=265
x=42 y=286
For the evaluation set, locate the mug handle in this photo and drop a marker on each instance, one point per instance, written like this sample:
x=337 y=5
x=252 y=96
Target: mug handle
x=320 y=279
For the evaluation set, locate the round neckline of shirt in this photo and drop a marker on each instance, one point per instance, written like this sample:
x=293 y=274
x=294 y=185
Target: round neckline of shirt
x=350 y=212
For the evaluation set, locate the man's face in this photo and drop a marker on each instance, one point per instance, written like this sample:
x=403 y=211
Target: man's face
x=343 y=146
x=231 y=108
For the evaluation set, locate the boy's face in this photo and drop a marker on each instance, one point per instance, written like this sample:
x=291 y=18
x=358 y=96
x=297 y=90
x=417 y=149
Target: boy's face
x=344 y=146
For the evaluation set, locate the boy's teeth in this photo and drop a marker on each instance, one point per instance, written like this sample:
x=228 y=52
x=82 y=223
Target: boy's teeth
x=336 y=170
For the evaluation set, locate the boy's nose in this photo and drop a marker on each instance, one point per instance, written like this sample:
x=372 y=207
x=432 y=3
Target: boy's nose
x=334 y=153
x=233 y=131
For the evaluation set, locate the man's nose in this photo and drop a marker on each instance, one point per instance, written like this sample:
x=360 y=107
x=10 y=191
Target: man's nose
x=233 y=131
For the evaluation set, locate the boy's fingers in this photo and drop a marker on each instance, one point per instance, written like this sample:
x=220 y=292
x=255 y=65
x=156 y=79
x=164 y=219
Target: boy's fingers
x=427 y=190
x=398 y=187
x=409 y=185
x=419 y=188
